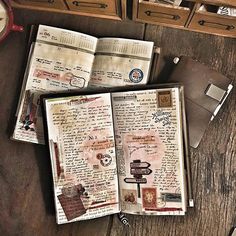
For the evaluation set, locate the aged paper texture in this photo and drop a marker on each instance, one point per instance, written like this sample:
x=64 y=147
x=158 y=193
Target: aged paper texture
x=82 y=147
x=149 y=151
x=61 y=60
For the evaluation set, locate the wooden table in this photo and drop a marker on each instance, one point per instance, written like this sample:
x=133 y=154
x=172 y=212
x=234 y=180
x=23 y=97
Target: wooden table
x=26 y=202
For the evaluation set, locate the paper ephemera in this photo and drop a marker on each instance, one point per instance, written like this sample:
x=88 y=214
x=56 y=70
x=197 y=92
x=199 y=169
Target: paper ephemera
x=61 y=60
x=149 y=153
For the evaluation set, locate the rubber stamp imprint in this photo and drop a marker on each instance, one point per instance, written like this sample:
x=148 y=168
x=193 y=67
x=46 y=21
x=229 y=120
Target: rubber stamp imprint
x=105 y=159
x=164 y=99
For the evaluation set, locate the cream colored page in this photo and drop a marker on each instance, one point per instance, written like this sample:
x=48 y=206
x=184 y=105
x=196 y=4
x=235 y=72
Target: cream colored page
x=149 y=151
x=61 y=60
x=120 y=62
x=82 y=148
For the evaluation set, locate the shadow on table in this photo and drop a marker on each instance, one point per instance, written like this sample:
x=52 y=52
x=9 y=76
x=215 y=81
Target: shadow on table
x=46 y=179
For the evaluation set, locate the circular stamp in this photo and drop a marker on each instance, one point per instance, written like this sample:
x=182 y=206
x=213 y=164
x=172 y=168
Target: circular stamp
x=136 y=75
x=106 y=160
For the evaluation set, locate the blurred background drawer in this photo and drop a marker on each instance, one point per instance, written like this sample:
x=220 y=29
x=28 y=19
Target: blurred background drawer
x=108 y=7
x=214 y=23
x=56 y=4
x=161 y=13
x=219 y=2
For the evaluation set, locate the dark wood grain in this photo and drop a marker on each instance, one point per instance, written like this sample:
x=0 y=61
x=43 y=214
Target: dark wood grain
x=89 y=25
x=26 y=200
x=219 y=2
x=213 y=163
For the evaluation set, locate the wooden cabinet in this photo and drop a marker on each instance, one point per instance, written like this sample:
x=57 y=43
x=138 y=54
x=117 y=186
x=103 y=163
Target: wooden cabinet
x=111 y=9
x=196 y=15
x=209 y=21
x=52 y=4
x=105 y=7
x=163 y=14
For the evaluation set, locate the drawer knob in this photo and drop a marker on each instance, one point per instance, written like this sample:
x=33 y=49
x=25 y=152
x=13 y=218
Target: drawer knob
x=89 y=4
x=162 y=15
x=216 y=25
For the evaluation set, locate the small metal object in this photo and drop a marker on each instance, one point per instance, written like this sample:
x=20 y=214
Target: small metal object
x=162 y=15
x=89 y=4
x=215 y=25
x=176 y=60
x=215 y=92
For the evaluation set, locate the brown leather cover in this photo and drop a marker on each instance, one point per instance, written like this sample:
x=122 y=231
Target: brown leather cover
x=200 y=107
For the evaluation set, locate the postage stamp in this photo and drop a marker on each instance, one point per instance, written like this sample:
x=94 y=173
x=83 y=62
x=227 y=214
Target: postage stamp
x=129 y=196
x=149 y=197
x=164 y=99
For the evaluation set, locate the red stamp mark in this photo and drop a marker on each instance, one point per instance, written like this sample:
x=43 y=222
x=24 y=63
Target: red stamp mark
x=149 y=197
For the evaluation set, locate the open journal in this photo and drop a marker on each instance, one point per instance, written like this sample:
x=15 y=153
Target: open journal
x=117 y=151
x=66 y=60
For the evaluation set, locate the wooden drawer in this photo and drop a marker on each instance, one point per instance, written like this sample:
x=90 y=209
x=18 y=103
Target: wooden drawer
x=214 y=23
x=161 y=13
x=108 y=7
x=55 y=4
x=231 y=3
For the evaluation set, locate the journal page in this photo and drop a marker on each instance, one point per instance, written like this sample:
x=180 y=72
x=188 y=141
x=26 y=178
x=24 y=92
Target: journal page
x=149 y=149
x=120 y=62
x=82 y=150
x=61 y=60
